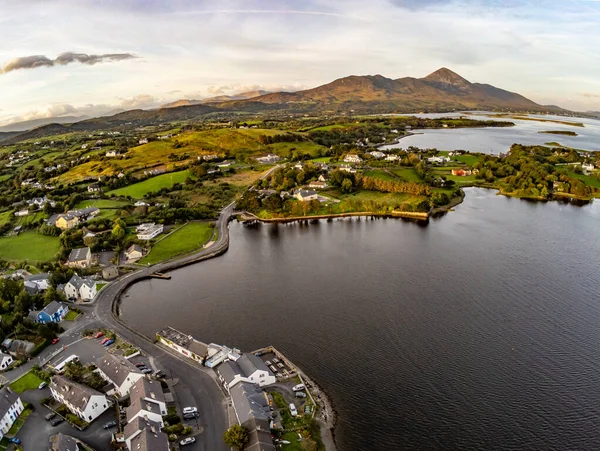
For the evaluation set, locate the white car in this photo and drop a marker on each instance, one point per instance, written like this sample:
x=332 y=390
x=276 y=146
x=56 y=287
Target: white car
x=299 y=387
x=187 y=441
x=190 y=410
x=293 y=410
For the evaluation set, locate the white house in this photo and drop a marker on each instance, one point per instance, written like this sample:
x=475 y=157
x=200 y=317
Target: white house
x=268 y=159
x=83 y=401
x=81 y=288
x=134 y=252
x=352 y=158
x=248 y=368
x=306 y=195
x=147 y=401
x=347 y=168
x=438 y=159
x=392 y=158
x=183 y=343
x=145 y=435
x=112 y=153
x=317 y=184
x=118 y=371
x=587 y=166
x=377 y=154
x=148 y=231
x=5 y=361
x=143 y=141
x=10 y=409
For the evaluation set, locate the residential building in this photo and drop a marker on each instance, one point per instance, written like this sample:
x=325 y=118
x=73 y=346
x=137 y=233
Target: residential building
x=323 y=178
x=93 y=188
x=145 y=435
x=72 y=218
x=119 y=371
x=392 y=158
x=306 y=195
x=140 y=203
x=351 y=158
x=183 y=343
x=80 y=258
x=64 y=442
x=134 y=252
x=52 y=313
x=377 y=154
x=147 y=401
x=587 y=167
x=268 y=159
x=6 y=360
x=347 y=168
x=322 y=166
x=83 y=401
x=10 y=409
x=112 y=153
x=225 y=164
x=208 y=157
x=218 y=353
x=248 y=368
x=148 y=231
x=317 y=184
x=252 y=411
x=143 y=141
x=461 y=172
x=36 y=283
x=80 y=288
x=438 y=160
x=17 y=348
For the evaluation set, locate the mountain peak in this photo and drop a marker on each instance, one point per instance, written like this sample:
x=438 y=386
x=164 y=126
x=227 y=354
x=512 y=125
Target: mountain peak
x=447 y=77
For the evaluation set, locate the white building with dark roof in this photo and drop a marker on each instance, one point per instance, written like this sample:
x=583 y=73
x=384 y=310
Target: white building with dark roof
x=80 y=258
x=183 y=343
x=83 y=401
x=118 y=371
x=145 y=435
x=248 y=368
x=11 y=407
x=81 y=288
x=147 y=401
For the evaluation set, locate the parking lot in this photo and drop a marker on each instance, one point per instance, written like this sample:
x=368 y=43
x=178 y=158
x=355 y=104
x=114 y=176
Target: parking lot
x=276 y=365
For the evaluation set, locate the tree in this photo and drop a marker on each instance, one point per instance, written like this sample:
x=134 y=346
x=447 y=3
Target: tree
x=236 y=436
x=118 y=232
x=346 y=186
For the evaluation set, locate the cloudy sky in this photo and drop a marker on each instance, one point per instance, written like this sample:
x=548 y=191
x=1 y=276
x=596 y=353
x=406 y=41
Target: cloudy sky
x=84 y=57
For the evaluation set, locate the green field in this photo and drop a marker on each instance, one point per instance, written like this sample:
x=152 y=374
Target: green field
x=108 y=207
x=191 y=236
x=29 y=246
x=470 y=160
x=5 y=177
x=587 y=179
x=407 y=174
x=6 y=216
x=137 y=190
x=297 y=148
x=28 y=381
x=379 y=174
x=26 y=220
x=71 y=315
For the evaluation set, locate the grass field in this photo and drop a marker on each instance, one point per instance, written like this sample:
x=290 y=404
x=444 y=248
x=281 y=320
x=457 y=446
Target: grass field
x=587 y=179
x=6 y=216
x=26 y=220
x=5 y=177
x=102 y=203
x=191 y=236
x=407 y=174
x=470 y=160
x=71 y=315
x=379 y=174
x=297 y=148
x=242 y=178
x=29 y=246
x=28 y=381
x=137 y=190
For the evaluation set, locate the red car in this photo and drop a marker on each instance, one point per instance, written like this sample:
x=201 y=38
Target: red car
x=56 y=340
x=98 y=335
x=104 y=340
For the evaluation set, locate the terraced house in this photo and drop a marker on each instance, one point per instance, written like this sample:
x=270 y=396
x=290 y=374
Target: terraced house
x=10 y=409
x=118 y=371
x=83 y=401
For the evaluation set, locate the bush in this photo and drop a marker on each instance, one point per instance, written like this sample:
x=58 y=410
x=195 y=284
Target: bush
x=172 y=418
x=172 y=437
x=44 y=401
x=62 y=410
x=175 y=429
x=74 y=419
x=39 y=348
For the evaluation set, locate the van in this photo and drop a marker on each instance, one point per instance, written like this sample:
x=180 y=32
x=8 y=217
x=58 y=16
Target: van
x=299 y=387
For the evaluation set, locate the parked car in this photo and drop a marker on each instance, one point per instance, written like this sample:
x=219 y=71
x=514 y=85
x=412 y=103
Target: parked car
x=293 y=410
x=50 y=416
x=190 y=410
x=55 y=340
x=14 y=440
x=146 y=370
x=98 y=335
x=110 y=424
x=300 y=394
x=299 y=387
x=57 y=422
x=139 y=364
x=109 y=342
x=104 y=340
x=42 y=385
x=191 y=416
x=187 y=441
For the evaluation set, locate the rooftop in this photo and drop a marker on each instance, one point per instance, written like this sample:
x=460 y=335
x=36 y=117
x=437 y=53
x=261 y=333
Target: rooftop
x=79 y=254
x=147 y=389
x=249 y=402
x=117 y=369
x=53 y=307
x=77 y=394
x=150 y=440
x=7 y=399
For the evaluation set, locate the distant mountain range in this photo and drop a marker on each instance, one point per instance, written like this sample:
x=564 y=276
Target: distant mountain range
x=28 y=125
x=440 y=91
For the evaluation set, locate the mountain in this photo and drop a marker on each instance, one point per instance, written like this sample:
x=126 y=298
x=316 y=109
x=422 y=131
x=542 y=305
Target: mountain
x=217 y=99
x=442 y=90
x=28 y=125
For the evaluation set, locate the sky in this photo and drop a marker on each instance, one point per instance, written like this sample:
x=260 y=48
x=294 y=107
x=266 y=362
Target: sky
x=84 y=57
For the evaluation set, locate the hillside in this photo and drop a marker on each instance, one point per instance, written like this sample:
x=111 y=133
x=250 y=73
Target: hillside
x=217 y=99
x=439 y=91
x=33 y=123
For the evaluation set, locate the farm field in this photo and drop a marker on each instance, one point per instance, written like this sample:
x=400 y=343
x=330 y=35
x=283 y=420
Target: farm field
x=138 y=190
x=29 y=246
x=407 y=174
x=188 y=238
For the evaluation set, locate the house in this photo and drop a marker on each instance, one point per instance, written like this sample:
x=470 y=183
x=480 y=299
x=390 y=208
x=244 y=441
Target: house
x=53 y=313
x=440 y=160
x=392 y=158
x=461 y=172
x=112 y=153
x=11 y=407
x=306 y=195
x=248 y=368
x=299 y=166
x=268 y=159
x=347 y=168
x=183 y=343
x=148 y=231
x=145 y=435
x=587 y=167
x=143 y=141
x=17 y=348
x=83 y=401
x=351 y=158
x=377 y=154
x=64 y=442
x=80 y=258
x=147 y=401
x=6 y=360
x=218 y=353
x=323 y=178
x=249 y=401
x=36 y=283
x=140 y=203
x=80 y=288
x=134 y=252
x=317 y=184
x=322 y=167
x=94 y=188
x=225 y=164
x=118 y=371
x=208 y=157
x=72 y=218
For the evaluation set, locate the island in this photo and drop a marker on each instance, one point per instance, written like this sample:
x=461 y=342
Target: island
x=559 y=132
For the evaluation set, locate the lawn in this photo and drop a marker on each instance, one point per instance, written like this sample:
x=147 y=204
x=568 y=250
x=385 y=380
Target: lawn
x=379 y=174
x=407 y=174
x=26 y=220
x=6 y=217
x=28 y=381
x=297 y=148
x=470 y=160
x=587 y=179
x=188 y=238
x=29 y=246
x=71 y=315
x=154 y=184
x=102 y=203
x=295 y=444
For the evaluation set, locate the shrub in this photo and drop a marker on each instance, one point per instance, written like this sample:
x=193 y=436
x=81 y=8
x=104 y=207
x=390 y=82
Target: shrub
x=172 y=418
x=172 y=437
x=175 y=429
x=44 y=401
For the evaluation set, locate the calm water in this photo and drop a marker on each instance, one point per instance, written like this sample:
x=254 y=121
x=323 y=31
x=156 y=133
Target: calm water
x=479 y=330
x=497 y=140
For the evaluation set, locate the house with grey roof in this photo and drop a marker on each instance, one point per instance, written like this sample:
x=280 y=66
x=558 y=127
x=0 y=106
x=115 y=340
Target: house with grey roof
x=248 y=368
x=80 y=258
x=36 y=283
x=249 y=401
x=11 y=407
x=64 y=442
x=83 y=401
x=183 y=343
x=259 y=435
x=147 y=401
x=118 y=371
x=80 y=288
x=144 y=435
x=53 y=313
x=306 y=195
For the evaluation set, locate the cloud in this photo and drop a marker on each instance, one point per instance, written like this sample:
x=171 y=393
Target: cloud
x=140 y=101
x=235 y=88
x=590 y=95
x=35 y=61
